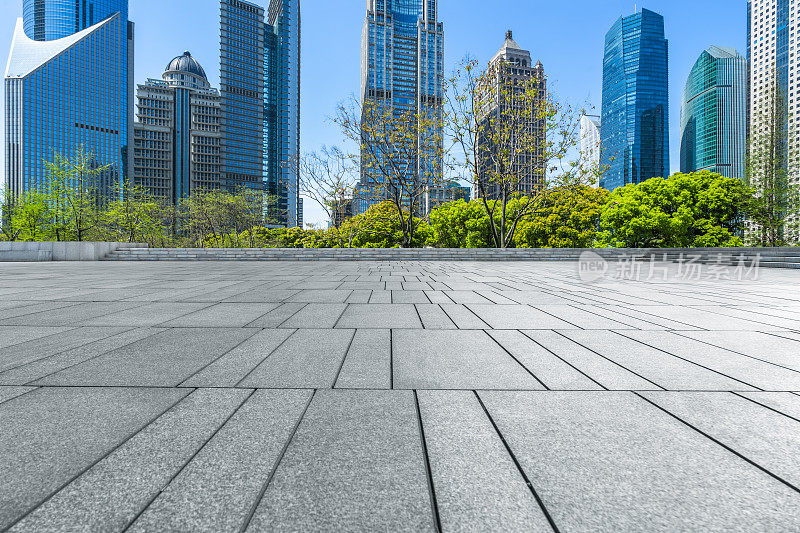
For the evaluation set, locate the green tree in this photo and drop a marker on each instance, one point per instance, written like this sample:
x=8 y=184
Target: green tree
x=502 y=126
x=74 y=190
x=685 y=210
x=30 y=220
x=401 y=151
x=461 y=224
x=771 y=155
x=135 y=216
x=564 y=220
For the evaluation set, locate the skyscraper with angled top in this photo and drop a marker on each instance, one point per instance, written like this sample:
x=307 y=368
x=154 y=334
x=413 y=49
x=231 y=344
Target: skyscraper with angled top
x=402 y=64
x=634 y=127
x=260 y=88
x=714 y=114
x=68 y=87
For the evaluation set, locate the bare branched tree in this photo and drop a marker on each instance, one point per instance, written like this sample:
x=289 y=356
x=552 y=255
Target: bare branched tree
x=329 y=178
x=401 y=154
x=513 y=140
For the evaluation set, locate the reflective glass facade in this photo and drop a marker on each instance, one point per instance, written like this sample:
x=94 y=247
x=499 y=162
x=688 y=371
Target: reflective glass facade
x=402 y=60
x=714 y=114
x=260 y=88
x=282 y=109
x=66 y=94
x=242 y=90
x=46 y=20
x=635 y=112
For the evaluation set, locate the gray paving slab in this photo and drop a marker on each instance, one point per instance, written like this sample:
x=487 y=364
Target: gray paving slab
x=267 y=295
x=51 y=435
x=518 y=317
x=756 y=372
x=409 y=297
x=359 y=297
x=277 y=316
x=148 y=315
x=143 y=363
x=381 y=297
x=217 y=489
x=27 y=352
x=321 y=296
x=316 y=316
x=380 y=316
x=705 y=319
x=779 y=349
x=50 y=364
x=11 y=392
x=16 y=335
x=617 y=315
x=355 y=464
x=784 y=402
x=223 y=315
x=583 y=319
x=655 y=365
x=756 y=314
x=604 y=461
x=478 y=487
x=463 y=317
x=368 y=362
x=431 y=359
x=434 y=317
x=14 y=309
x=553 y=372
x=601 y=370
x=767 y=438
x=310 y=358
x=112 y=493
x=72 y=315
x=467 y=297
x=438 y=297
x=638 y=312
x=235 y=365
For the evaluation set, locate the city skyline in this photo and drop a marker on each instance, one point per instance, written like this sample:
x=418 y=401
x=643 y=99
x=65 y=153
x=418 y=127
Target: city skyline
x=571 y=48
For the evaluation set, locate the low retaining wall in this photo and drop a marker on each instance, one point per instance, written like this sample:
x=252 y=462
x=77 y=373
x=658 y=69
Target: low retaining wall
x=60 y=251
x=724 y=255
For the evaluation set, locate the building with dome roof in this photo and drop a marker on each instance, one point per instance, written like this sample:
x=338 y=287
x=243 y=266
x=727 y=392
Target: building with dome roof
x=68 y=87
x=511 y=67
x=177 y=137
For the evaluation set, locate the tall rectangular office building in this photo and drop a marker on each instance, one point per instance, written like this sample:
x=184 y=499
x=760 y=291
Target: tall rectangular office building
x=402 y=62
x=260 y=94
x=635 y=112
x=714 y=114
x=68 y=86
x=772 y=38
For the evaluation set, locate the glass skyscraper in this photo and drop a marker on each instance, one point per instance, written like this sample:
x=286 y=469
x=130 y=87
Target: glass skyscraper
x=402 y=63
x=635 y=112
x=282 y=108
x=714 y=114
x=260 y=88
x=68 y=86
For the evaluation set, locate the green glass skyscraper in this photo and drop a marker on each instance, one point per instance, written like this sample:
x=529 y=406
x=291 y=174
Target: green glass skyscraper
x=714 y=114
x=635 y=116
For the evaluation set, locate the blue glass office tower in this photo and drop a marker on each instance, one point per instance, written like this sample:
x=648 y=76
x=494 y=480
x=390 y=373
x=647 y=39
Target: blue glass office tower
x=402 y=63
x=282 y=109
x=68 y=86
x=714 y=114
x=635 y=111
x=260 y=88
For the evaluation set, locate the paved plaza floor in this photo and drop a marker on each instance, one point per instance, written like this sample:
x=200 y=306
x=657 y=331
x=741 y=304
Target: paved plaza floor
x=210 y=396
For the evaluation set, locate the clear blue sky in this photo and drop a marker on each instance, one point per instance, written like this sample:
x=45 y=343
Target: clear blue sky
x=566 y=35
